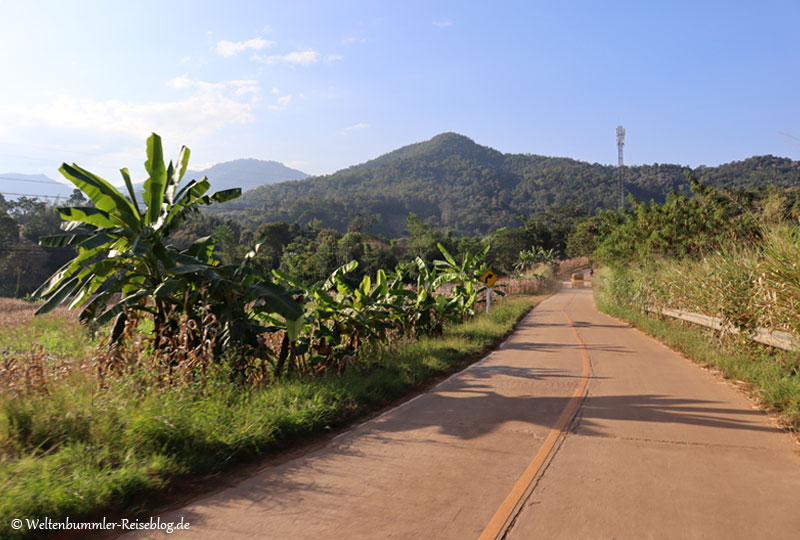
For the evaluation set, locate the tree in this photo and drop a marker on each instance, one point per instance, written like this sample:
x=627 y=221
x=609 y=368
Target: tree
x=76 y=198
x=9 y=231
x=423 y=239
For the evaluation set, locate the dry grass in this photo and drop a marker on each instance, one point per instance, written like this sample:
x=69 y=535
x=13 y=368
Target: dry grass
x=568 y=266
x=746 y=286
x=524 y=286
x=35 y=353
x=80 y=451
x=35 y=371
x=38 y=351
x=14 y=311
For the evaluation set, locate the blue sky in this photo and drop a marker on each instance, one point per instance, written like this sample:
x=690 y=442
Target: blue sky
x=324 y=85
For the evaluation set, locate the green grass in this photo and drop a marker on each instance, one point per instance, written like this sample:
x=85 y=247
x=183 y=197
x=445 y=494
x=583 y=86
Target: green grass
x=59 y=336
x=79 y=451
x=771 y=375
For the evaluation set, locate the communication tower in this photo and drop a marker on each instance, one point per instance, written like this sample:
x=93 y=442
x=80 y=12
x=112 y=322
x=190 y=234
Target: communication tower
x=620 y=144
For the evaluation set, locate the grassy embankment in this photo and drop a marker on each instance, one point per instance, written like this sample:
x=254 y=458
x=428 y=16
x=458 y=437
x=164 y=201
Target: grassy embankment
x=75 y=449
x=750 y=287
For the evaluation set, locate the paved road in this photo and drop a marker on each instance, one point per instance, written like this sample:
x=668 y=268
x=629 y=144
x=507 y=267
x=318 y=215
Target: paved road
x=659 y=448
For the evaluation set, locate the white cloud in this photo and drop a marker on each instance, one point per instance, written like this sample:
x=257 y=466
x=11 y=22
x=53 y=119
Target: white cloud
x=302 y=58
x=202 y=166
x=245 y=87
x=232 y=48
x=238 y=87
x=354 y=127
x=443 y=23
x=283 y=102
x=180 y=82
x=294 y=164
x=207 y=108
x=354 y=41
x=334 y=58
x=276 y=91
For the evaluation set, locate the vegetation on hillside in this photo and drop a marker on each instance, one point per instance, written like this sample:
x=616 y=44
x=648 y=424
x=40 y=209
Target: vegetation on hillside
x=400 y=205
x=453 y=183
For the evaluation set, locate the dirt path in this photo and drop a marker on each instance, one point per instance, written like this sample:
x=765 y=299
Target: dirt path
x=659 y=449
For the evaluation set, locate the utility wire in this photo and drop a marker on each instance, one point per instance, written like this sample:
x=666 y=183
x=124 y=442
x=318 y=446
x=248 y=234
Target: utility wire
x=34 y=195
x=25 y=249
x=33 y=181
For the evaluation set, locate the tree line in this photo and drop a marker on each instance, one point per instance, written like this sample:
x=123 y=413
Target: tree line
x=453 y=183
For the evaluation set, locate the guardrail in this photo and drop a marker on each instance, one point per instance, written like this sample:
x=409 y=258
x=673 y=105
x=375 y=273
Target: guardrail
x=781 y=340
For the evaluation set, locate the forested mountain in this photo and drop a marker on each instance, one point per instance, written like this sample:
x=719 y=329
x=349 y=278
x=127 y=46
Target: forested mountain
x=454 y=183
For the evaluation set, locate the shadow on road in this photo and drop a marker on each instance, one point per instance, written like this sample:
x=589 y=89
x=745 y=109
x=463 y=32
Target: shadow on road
x=464 y=410
x=467 y=408
x=557 y=347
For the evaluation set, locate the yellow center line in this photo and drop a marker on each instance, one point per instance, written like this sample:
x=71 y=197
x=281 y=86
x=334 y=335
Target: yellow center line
x=506 y=510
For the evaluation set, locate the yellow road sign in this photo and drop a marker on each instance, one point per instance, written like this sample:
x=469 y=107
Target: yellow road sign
x=488 y=278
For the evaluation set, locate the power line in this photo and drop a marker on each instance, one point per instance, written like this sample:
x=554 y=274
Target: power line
x=33 y=181
x=217 y=206
x=25 y=249
x=223 y=206
x=34 y=195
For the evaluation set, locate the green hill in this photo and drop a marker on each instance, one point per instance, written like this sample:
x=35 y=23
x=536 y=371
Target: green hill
x=454 y=183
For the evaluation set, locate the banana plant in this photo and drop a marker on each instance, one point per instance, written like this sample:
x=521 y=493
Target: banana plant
x=536 y=254
x=399 y=301
x=465 y=277
x=237 y=296
x=362 y=314
x=122 y=255
x=525 y=260
x=430 y=310
x=339 y=319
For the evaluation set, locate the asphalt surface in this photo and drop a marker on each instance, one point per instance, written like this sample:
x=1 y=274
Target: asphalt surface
x=657 y=448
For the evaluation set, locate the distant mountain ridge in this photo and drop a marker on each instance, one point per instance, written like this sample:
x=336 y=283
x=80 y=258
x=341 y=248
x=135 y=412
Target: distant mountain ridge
x=244 y=173
x=36 y=185
x=247 y=174
x=455 y=183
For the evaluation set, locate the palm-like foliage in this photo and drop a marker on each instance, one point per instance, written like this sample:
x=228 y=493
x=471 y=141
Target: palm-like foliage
x=123 y=261
x=465 y=277
x=340 y=318
x=534 y=255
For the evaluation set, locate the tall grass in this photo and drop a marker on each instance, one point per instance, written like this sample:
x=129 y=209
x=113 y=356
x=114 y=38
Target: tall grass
x=58 y=332
x=76 y=449
x=748 y=286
